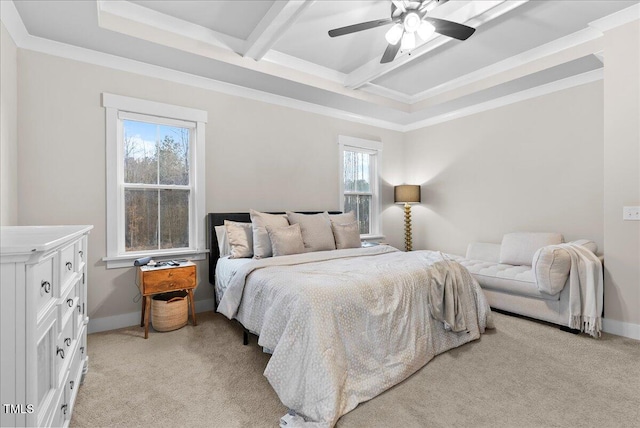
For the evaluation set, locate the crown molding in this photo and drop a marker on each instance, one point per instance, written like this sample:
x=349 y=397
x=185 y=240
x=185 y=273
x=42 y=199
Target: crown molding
x=558 y=85
x=617 y=19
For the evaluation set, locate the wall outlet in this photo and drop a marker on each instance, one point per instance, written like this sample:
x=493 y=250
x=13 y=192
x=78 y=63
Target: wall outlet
x=631 y=213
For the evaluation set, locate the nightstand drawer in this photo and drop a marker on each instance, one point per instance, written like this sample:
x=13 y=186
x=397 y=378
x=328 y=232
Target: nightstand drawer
x=163 y=280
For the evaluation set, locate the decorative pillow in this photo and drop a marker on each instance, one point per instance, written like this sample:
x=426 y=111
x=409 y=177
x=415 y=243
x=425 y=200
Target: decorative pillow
x=346 y=235
x=551 y=267
x=316 y=230
x=518 y=248
x=285 y=240
x=344 y=218
x=261 y=241
x=223 y=240
x=240 y=237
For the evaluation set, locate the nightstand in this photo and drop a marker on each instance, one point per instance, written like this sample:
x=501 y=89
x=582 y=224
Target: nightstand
x=155 y=280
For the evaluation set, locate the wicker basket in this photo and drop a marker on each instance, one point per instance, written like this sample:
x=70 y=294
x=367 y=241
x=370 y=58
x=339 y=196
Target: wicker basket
x=169 y=311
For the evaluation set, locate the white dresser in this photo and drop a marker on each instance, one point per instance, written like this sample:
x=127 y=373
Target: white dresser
x=43 y=322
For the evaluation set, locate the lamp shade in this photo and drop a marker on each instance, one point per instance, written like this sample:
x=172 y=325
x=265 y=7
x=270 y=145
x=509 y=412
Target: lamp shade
x=406 y=193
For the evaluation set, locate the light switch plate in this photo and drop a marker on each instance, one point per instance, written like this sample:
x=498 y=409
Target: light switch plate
x=631 y=213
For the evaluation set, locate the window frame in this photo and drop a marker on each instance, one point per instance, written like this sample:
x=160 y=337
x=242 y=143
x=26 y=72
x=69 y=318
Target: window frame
x=374 y=149
x=117 y=109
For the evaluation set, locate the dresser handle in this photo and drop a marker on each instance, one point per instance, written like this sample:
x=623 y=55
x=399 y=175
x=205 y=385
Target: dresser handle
x=46 y=285
x=70 y=302
x=82 y=349
x=60 y=351
x=64 y=408
x=79 y=308
x=67 y=341
x=71 y=384
x=81 y=253
x=69 y=266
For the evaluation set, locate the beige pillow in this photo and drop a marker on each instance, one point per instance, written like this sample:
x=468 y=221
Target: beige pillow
x=551 y=267
x=285 y=240
x=344 y=218
x=346 y=235
x=316 y=230
x=518 y=248
x=261 y=241
x=223 y=240
x=240 y=237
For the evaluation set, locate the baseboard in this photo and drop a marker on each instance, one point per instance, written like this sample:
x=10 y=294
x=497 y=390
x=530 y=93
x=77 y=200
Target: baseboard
x=621 y=328
x=114 y=322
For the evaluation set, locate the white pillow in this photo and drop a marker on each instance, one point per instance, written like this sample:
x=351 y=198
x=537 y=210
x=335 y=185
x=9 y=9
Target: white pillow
x=261 y=241
x=223 y=240
x=316 y=230
x=343 y=218
x=551 y=269
x=240 y=237
x=518 y=248
x=285 y=240
x=346 y=235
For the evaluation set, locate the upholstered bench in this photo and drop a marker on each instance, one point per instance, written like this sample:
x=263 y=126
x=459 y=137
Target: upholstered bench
x=525 y=275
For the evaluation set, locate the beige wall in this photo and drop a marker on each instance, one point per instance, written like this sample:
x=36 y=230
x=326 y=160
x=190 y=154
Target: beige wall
x=531 y=166
x=258 y=156
x=8 y=129
x=622 y=171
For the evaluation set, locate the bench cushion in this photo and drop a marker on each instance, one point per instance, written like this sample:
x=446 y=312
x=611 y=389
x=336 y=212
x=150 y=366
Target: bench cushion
x=518 y=248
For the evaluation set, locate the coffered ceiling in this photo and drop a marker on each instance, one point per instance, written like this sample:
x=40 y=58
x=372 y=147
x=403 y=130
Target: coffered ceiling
x=281 y=49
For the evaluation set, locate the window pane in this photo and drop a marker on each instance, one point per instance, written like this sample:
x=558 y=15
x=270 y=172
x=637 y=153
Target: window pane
x=174 y=218
x=141 y=219
x=140 y=152
x=361 y=205
x=174 y=155
x=356 y=172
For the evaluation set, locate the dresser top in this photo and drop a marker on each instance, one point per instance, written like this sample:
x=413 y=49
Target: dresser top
x=25 y=239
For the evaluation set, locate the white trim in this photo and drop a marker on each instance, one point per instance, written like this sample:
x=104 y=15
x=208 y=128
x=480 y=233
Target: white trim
x=617 y=19
x=374 y=148
x=621 y=328
x=114 y=106
x=278 y=19
x=114 y=322
x=559 y=85
x=386 y=92
x=126 y=261
x=279 y=58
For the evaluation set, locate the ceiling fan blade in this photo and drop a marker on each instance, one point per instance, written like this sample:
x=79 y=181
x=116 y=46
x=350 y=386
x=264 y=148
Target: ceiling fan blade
x=451 y=29
x=390 y=53
x=359 y=27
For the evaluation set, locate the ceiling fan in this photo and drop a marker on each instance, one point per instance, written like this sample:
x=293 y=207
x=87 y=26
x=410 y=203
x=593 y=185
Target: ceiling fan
x=409 y=18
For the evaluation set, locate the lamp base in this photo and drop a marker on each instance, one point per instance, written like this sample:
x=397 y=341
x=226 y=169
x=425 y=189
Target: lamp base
x=407 y=227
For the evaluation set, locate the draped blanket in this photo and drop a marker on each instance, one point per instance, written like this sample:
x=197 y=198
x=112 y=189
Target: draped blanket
x=346 y=325
x=585 y=289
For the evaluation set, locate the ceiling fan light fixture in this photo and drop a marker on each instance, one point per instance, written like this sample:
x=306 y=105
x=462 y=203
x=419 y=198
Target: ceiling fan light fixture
x=412 y=22
x=426 y=30
x=408 y=42
x=394 y=34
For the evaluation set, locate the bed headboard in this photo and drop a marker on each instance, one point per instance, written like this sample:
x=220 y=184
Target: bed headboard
x=217 y=219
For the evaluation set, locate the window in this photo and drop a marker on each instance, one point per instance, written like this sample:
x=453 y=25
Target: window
x=359 y=183
x=155 y=180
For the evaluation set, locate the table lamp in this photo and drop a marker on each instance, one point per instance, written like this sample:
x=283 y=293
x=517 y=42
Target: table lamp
x=407 y=194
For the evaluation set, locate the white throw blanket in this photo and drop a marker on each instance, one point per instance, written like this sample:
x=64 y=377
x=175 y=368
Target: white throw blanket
x=585 y=289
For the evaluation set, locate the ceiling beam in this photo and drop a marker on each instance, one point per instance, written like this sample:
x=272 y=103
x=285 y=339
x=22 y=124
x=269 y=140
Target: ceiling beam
x=272 y=26
x=472 y=13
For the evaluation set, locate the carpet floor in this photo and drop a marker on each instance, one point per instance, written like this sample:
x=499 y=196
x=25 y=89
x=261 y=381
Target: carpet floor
x=522 y=374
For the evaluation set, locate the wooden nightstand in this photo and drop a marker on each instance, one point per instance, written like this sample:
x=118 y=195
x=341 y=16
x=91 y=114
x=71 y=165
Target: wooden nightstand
x=155 y=280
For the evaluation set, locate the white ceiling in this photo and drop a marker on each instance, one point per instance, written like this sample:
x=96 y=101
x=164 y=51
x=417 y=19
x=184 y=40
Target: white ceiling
x=282 y=48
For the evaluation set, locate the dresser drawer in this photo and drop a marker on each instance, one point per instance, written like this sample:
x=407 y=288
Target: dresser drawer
x=163 y=280
x=44 y=280
x=66 y=343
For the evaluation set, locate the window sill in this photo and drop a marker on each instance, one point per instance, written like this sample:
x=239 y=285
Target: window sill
x=127 y=261
x=375 y=238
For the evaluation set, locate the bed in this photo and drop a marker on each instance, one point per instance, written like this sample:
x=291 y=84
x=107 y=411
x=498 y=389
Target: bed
x=345 y=325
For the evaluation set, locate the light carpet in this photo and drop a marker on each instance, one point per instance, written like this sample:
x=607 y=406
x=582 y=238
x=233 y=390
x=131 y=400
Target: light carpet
x=522 y=374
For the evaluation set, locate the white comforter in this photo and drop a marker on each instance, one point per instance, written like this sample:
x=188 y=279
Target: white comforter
x=345 y=325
